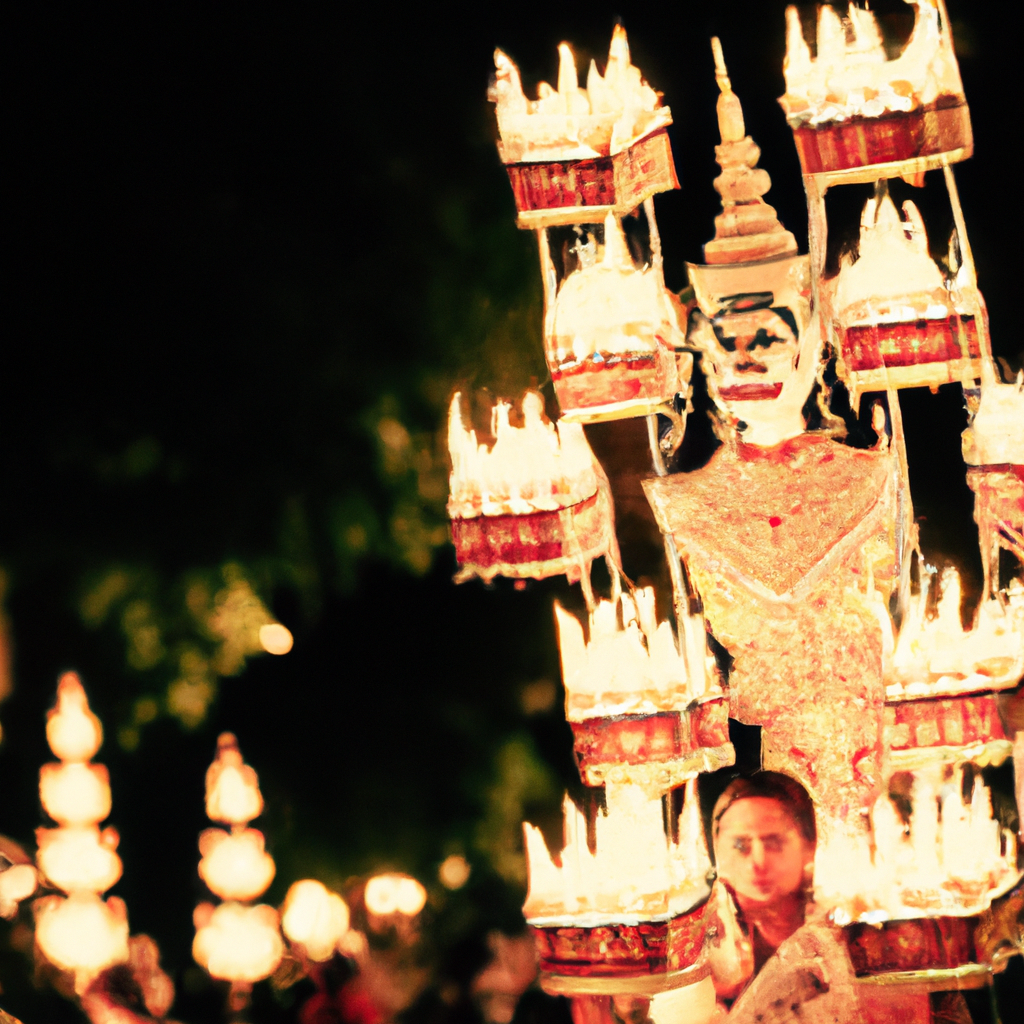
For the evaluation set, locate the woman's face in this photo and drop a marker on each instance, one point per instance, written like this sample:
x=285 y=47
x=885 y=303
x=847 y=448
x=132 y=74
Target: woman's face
x=760 y=851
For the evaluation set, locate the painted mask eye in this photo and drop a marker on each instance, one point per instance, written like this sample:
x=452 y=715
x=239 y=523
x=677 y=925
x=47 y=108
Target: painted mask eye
x=742 y=845
x=765 y=340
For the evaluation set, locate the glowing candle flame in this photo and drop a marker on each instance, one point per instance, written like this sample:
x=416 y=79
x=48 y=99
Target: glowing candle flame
x=393 y=893
x=570 y=123
x=937 y=654
x=234 y=865
x=953 y=859
x=232 y=787
x=636 y=869
x=82 y=933
x=314 y=917
x=72 y=730
x=237 y=943
x=537 y=467
x=851 y=77
x=635 y=669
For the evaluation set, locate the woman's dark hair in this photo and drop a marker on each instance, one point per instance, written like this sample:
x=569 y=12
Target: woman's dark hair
x=771 y=786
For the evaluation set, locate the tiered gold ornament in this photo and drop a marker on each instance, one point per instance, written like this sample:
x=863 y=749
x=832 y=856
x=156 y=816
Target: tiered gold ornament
x=747 y=229
x=753 y=293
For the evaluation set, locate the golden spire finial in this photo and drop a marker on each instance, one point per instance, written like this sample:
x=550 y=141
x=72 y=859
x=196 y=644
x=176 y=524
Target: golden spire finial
x=721 y=73
x=747 y=228
x=730 y=112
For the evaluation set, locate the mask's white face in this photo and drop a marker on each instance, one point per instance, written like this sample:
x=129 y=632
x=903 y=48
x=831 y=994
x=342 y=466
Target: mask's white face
x=754 y=329
x=751 y=353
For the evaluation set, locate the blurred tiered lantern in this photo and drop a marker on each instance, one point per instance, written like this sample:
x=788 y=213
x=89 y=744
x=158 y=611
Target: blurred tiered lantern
x=799 y=550
x=580 y=160
x=81 y=933
x=235 y=941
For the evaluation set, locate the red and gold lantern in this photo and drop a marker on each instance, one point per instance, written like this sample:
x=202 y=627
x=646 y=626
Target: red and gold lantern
x=532 y=505
x=852 y=109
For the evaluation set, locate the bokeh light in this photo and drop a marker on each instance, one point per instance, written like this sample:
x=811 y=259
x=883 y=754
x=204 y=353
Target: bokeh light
x=237 y=943
x=315 y=917
x=454 y=871
x=394 y=893
x=275 y=638
x=235 y=865
x=232 y=788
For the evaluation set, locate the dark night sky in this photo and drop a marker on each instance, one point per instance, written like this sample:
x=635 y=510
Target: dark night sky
x=233 y=230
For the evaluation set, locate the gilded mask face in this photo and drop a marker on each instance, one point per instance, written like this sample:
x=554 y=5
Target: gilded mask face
x=750 y=347
x=753 y=327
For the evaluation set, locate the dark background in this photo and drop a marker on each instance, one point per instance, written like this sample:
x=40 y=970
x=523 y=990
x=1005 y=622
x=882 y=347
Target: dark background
x=242 y=236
